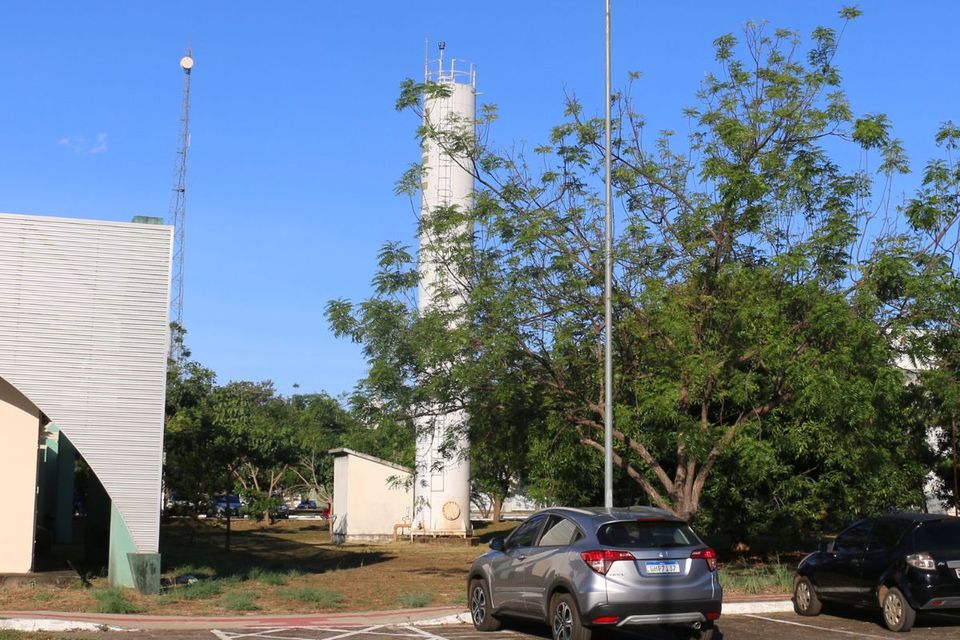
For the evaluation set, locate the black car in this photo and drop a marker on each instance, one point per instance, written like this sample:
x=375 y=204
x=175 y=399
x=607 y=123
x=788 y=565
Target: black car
x=902 y=563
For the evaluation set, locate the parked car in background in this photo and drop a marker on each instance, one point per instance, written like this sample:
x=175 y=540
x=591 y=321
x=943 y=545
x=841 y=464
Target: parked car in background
x=222 y=503
x=583 y=569
x=307 y=504
x=902 y=563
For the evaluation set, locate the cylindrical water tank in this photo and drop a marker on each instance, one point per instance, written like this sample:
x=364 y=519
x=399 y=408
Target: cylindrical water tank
x=442 y=489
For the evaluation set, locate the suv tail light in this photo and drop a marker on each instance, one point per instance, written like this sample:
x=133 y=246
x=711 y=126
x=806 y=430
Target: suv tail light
x=707 y=554
x=600 y=560
x=923 y=561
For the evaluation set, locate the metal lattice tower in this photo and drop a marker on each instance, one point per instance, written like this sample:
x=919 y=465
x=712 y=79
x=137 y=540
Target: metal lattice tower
x=178 y=206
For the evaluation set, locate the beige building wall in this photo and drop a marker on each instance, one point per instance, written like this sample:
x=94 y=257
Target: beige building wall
x=370 y=495
x=19 y=441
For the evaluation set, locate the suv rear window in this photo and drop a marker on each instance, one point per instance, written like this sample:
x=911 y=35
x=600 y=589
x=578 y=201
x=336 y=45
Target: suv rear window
x=937 y=536
x=644 y=534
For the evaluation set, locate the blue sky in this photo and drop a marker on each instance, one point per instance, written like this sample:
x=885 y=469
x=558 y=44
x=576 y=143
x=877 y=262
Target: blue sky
x=296 y=145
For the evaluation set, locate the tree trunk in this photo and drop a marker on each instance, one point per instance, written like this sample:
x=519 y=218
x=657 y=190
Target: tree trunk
x=227 y=543
x=497 y=508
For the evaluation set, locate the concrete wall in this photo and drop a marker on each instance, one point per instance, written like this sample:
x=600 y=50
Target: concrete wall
x=369 y=496
x=19 y=435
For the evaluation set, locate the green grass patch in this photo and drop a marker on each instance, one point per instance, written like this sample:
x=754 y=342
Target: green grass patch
x=415 y=599
x=320 y=598
x=272 y=578
x=759 y=578
x=239 y=601
x=196 y=571
x=203 y=590
x=10 y=634
x=114 y=600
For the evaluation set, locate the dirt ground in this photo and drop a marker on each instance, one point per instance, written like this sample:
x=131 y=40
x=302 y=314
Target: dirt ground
x=288 y=567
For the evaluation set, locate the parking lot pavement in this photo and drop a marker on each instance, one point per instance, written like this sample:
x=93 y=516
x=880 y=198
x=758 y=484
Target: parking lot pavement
x=842 y=625
x=779 y=626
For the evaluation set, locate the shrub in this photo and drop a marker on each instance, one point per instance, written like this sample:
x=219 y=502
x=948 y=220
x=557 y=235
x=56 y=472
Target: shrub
x=239 y=601
x=320 y=598
x=416 y=599
x=273 y=578
x=113 y=600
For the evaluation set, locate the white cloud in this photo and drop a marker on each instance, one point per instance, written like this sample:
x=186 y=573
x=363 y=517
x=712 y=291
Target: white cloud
x=100 y=144
x=81 y=145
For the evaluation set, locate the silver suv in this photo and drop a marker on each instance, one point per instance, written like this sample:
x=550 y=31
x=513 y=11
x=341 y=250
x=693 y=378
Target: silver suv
x=584 y=569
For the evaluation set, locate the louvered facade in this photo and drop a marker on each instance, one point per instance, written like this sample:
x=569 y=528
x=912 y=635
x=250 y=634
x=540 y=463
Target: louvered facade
x=84 y=336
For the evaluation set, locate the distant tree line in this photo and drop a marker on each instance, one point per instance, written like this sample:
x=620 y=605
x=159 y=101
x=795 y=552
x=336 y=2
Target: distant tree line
x=245 y=438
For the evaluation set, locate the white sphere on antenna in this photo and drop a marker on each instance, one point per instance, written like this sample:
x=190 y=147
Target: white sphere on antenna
x=186 y=63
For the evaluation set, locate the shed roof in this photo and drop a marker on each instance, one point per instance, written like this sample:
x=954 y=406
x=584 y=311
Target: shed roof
x=343 y=451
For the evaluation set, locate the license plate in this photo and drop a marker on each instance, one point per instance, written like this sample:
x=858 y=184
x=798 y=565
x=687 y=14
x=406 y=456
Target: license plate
x=671 y=566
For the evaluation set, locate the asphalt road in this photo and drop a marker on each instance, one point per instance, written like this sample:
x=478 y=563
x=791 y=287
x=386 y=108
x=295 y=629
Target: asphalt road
x=841 y=625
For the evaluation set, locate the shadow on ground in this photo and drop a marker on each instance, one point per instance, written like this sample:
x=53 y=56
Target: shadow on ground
x=198 y=547
x=925 y=619
x=536 y=630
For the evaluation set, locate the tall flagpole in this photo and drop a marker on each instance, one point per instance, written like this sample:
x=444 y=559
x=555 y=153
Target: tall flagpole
x=608 y=310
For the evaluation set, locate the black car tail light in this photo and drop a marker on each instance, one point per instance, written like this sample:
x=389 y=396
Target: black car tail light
x=600 y=560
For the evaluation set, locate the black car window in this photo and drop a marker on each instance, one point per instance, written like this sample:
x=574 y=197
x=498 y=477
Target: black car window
x=886 y=534
x=525 y=534
x=559 y=532
x=646 y=534
x=940 y=535
x=854 y=539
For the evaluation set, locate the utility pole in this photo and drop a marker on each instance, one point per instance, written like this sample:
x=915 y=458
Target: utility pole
x=607 y=293
x=178 y=210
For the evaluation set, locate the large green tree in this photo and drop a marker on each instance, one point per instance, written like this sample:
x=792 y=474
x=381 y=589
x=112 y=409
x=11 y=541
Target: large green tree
x=320 y=424
x=763 y=289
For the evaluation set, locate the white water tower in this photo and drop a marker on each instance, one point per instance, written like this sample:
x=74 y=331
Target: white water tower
x=442 y=487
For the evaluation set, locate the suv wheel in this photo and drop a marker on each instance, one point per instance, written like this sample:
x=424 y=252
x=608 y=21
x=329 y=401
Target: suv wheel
x=898 y=615
x=565 y=620
x=806 y=602
x=481 y=607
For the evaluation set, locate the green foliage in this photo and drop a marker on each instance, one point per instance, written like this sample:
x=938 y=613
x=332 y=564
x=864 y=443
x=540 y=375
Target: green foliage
x=760 y=305
x=244 y=433
x=757 y=578
x=202 y=590
x=272 y=578
x=240 y=601
x=415 y=599
x=114 y=600
x=318 y=598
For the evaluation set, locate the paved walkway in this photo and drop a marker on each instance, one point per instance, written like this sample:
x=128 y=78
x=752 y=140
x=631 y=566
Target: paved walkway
x=733 y=605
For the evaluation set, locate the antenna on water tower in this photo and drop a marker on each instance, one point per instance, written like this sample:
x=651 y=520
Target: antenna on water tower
x=178 y=208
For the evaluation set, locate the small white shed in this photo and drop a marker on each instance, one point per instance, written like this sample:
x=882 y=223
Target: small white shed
x=371 y=497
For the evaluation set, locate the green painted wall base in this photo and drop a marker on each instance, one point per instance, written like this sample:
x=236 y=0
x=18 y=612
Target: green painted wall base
x=126 y=567
x=146 y=572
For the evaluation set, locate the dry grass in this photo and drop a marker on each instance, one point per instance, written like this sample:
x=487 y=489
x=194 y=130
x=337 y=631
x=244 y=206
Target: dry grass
x=267 y=563
x=290 y=567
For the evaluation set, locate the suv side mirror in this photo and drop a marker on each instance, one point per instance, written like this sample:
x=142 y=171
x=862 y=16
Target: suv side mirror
x=497 y=544
x=827 y=546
